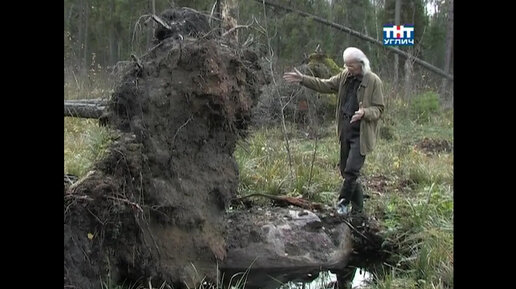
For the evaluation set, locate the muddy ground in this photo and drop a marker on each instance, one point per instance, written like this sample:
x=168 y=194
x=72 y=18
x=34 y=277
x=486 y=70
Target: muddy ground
x=153 y=206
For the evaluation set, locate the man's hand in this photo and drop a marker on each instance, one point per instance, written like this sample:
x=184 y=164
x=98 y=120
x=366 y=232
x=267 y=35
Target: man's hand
x=358 y=114
x=293 y=76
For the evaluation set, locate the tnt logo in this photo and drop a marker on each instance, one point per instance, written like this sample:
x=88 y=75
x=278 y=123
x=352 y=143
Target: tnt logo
x=398 y=35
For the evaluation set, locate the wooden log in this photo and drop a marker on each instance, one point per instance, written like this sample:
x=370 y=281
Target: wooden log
x=84 y=108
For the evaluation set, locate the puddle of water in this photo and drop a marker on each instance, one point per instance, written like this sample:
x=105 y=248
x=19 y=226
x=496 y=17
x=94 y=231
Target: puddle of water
x=361 y=278
x=326 y=279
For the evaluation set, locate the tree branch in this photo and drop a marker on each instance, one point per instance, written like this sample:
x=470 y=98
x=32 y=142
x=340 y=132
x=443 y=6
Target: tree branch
x=161 y=22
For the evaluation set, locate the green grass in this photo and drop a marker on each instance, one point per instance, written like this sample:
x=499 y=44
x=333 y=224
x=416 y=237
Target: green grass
x=236 y=281
x=98 y=83
x=110 y=285
x=265 y=167
x=84 y=140
x=84 y=143
x=415 y=208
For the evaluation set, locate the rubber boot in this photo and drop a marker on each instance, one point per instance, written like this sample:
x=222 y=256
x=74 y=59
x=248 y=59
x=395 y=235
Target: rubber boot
x=344 y=199
x=346 y=191
x=357 y=198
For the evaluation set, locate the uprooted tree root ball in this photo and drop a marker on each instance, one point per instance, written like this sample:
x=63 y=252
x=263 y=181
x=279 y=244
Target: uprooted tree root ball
x=156 y=201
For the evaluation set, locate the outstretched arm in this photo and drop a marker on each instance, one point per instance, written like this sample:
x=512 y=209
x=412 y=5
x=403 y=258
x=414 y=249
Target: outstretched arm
x=293 y=76
x=330 y=85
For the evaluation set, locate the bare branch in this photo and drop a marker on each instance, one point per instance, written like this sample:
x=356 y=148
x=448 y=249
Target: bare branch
x=212 y=11
x=137 y=61
x=146 y=17
x=161 y=22
x=234 y=28
x=132 y=204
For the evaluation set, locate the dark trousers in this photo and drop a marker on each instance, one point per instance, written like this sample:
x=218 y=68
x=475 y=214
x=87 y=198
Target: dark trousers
x=351 y=162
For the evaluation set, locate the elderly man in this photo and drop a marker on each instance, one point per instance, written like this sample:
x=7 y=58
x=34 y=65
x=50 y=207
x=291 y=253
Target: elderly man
x=359 y=106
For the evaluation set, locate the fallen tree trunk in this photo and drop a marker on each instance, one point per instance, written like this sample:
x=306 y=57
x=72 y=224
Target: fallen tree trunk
x=361 y=36
x=84 y=108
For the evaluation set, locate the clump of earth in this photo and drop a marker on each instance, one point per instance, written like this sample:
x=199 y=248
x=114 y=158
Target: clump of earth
x=433 y=146
x=154 y=205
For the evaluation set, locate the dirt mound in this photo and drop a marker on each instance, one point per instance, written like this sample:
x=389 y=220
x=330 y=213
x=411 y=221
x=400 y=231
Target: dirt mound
x=433 y=146
x=153 y=207
x=378 y=183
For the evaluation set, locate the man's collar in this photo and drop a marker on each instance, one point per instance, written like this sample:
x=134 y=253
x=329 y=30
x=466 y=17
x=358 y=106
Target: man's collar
x=358 y=76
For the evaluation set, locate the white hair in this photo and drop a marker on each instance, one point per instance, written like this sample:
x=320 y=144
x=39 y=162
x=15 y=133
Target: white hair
x=352 y=53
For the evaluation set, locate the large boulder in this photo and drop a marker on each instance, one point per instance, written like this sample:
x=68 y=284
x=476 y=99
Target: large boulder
x=283 y=244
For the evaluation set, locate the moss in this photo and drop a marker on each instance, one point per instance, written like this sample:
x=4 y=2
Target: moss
x=315 y=59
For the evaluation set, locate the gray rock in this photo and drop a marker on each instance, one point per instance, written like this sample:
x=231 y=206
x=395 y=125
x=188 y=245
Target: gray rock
x=283 y=244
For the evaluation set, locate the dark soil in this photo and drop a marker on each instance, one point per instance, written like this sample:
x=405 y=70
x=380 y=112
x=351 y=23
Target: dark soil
x=377 y=184
x=433 y=146
x=153 y=206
